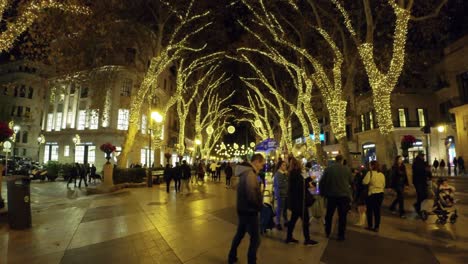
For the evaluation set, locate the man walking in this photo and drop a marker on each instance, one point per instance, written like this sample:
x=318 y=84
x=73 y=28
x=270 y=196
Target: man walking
x=249 y=203
x=177 y=175
x=335 y=186
x=185 y=175
x=419 y=180
x=83 y=171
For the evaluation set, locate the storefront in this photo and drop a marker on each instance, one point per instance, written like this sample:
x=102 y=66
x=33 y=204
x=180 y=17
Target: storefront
x=369 y=152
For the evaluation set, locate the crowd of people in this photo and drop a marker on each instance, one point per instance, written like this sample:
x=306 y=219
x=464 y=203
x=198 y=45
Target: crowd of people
x=84 y=172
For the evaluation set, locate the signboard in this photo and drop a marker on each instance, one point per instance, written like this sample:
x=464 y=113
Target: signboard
x=266 y=145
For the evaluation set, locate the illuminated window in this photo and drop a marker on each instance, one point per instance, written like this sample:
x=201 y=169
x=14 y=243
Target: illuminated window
x=79 y=154
x=50 y=122
x=94 y=119
x=91 y=154
x=371 y=120
x=363 y=123
x=402 y=117
x=66 y=151
x=421 y=117
x=144 y=124
x=122 y=121
x=58 y=122
x=70 y=116
x=81 y=120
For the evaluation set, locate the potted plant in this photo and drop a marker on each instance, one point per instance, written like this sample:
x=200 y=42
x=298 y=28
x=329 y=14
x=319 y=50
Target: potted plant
x=407 y=142
x=167 y=155
x=108 y=148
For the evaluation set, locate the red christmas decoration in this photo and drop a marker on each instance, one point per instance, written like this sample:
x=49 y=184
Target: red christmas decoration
x=5 y=131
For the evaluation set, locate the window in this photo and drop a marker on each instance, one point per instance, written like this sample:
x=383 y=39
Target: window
x=371 y=120
x=55 y=153
x=94 y=119
x=27 y=113
x=144 y=121
x=25 y=136
x=58 y=122
x=145 y=155
x=22 y=91
x=122 y=121
x=421 y=114
x=84 y=92
x=24 y=152
x=81 y=120
x=30 y=94
x=91 y=154
x=66 y=151
x=79 y=154
x=20 y=111
x=362 y=121
x=50 y=122
x=70 y=116
x=126 y=88
x=402 y=117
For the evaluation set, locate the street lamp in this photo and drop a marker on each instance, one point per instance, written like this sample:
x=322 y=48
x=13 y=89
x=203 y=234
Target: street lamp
x=158 y=118
x=16 y=129
x=76 y=140
x=40 y=141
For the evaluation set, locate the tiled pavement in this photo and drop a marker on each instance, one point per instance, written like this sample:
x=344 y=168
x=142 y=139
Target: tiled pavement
x=150 y=226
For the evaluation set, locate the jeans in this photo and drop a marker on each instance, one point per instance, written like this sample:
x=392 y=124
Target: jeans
x=186 y=184
x=342 y=204
x=247 y=223
x=281 y=210
x=421 y=194
x=305 y=223
x=374 y=202
x=72 y=178
x=168 y=184
x=228 y=181
x=400 y=200
x=177 y=185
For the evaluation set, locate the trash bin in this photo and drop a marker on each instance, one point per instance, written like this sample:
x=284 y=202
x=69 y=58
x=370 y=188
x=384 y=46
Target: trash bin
x=19 y=202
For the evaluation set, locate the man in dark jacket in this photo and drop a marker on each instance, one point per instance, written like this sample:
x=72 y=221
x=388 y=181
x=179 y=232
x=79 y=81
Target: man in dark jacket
x=185 y=175
x=335 y=186
x=249 y=203
x=419 y=180
x=168 y=176
x=177 y=175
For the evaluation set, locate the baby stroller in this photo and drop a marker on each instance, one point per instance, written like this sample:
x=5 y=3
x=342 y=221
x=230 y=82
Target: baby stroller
x=443 y=206
x=267 y=214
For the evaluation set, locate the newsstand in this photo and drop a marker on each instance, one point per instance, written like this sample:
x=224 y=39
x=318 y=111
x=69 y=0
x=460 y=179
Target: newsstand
x=19 y=202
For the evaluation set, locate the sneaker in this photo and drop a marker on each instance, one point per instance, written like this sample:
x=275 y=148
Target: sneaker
x=310 y=242
x=291 y=241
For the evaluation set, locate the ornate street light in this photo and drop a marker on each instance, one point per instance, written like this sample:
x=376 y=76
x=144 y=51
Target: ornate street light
x=40 y=140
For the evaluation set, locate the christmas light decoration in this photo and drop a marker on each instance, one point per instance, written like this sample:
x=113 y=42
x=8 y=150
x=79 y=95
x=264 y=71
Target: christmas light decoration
x=382 y=83
x=28 y=13
x=258 y=109
x=165 y=57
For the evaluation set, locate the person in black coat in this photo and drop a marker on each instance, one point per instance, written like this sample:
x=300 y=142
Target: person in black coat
x=228 y=172
x=420 y=180
x=177 y=175
x=83 y=171
x=399 y=181
x=299 y=200
x=74 y=172
x=167 y=176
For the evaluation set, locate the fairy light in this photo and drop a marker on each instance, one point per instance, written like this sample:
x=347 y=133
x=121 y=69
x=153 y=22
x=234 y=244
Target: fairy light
x=27 y=17
x=383 y=83
x=158 y=64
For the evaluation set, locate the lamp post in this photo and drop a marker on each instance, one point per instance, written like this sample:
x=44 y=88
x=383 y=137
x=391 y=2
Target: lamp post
x=158 y=118
x=16 y=130
x=40 y=141
x=76 y=140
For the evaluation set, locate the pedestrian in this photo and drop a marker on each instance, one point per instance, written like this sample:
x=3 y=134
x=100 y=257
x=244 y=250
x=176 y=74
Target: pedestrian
x=420 y=179
x=461 y=165
x=82 y=171
x=74 y=172
x=335 y=186
x=442 y=167
x=167 y=174
x=435 y=165
x=177 y=175
x=280 y=186
x=249 y=204
x=262 y=176
x=299 y=199
x=185 y=168
x=201 y=172
x=376 y=183
x=218 y=172
x=455 y=165
x=213 y=167
x=360 y=196
x=399 y=181
x=228 y=172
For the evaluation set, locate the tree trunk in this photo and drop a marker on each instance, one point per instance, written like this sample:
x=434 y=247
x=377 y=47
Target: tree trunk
x=391 y=150
x=133 y=126
x=181 y=148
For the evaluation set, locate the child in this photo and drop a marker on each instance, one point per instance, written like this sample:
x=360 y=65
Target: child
x=446 y=193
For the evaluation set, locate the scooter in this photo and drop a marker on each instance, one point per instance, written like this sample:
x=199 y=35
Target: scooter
x=38 y=174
